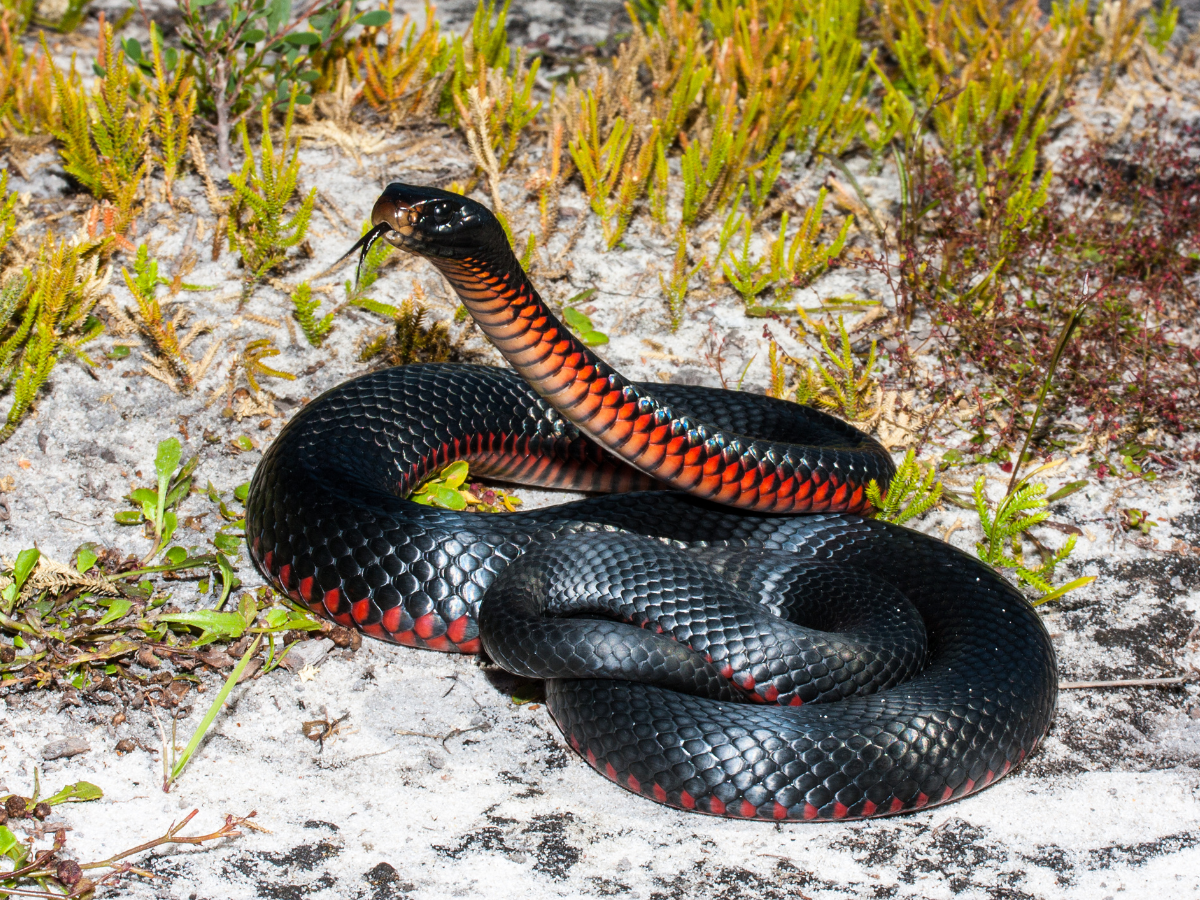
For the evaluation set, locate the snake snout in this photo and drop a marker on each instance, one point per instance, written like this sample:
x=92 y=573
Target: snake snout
x=398 y=216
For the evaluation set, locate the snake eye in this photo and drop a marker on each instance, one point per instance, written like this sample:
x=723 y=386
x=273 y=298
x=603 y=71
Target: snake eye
x=440 y=212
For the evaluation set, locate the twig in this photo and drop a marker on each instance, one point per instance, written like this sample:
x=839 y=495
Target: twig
x=1131 y=682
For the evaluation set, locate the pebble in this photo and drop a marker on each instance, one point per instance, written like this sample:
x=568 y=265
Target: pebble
x=64 y=748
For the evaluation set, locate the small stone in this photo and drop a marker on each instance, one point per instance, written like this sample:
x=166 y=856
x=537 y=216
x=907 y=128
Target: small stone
x=67 y=747
x=125 y=745
x=1194 y=712
x=7 y=654
x=341 y=636
x=16 y=806
x=42 y=811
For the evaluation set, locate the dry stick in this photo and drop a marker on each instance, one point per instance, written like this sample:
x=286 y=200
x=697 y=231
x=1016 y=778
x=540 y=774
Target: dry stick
x=228 y=830
x=1132 y=682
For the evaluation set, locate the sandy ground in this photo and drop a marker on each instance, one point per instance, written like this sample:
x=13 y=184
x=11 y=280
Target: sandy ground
x=485 y=799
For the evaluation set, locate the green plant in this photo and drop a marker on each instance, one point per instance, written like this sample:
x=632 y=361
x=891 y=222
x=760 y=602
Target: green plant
x=676 y=288
x=25 y=563
x=163 y=333
x=174 y=98
x=173 y=765
x=412 y=339
x=257 y=228
x=1004 y=525
x=104 y=134
x=45 y=314
x=251 y=362
x=1163 y=19
x=28 y=104
x=157 y=506
x=746 y=275
x=448 y=489
x=251 y=52
x=798 y=262
x=405 y=77
x=621 y=162
x=580 y=323
x=843 y=387
x=913 y=490
x=305 y=308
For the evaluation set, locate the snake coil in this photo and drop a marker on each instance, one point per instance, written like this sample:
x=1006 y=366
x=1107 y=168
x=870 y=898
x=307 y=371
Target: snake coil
x=723 y=632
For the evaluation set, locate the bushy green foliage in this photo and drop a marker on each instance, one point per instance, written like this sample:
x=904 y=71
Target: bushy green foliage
x=1005 y=523
x=45 y=314
x=839 y=384
x=912 y=492
x=305 y=308
x=104 y=133
x=259 y=228
x=252 y=52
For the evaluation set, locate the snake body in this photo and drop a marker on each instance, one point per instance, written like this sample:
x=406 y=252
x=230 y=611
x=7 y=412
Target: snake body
x=742 y=644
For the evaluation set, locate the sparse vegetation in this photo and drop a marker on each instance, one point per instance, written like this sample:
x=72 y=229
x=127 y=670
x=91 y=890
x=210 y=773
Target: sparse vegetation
x=720 y=139
x=259 y=228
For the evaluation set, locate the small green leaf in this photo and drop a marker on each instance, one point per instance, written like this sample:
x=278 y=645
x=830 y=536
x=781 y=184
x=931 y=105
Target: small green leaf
x=143 y=495
x=214 y=625
x=226 y=543
x=119 y=351
x=128 y=517
x=11 y=847
x=253 y=35
x=455 y=474
x=577 y=320
x=279 y=620
x=304 y=39
x=241 y=491
x=580 y=297
x=375 y=18
x=23 y=567
x=594 y=338
x=85 y=558
x=1063 y=589
x=1067 y=490
x=170 y=521
x=167 y=459
x=79 y=792
x=133 y=50
x=116 y=610
x=243 y=442
x=176 y=555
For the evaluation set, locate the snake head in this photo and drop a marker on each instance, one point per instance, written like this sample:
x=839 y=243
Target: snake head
x=434 y=223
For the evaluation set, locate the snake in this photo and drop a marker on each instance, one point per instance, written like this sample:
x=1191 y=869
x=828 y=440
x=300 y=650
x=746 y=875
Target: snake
x=721 y=625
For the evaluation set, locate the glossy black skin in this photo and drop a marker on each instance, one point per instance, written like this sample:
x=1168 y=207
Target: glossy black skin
x=981 y=681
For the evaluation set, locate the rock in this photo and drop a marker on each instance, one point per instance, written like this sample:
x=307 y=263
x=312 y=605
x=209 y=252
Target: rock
x=67 y=747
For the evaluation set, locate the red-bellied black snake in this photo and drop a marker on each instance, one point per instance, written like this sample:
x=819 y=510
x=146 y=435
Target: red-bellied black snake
x=741 y=641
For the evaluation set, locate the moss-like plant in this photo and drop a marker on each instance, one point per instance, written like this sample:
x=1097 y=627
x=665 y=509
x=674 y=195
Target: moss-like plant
x=174 y=98
x=912 y=492
x=405 y=76
x=840 y=384
x=45 y=314
x=1004 y=525
x=259 y=228
x=305 y=308
x=105 y=132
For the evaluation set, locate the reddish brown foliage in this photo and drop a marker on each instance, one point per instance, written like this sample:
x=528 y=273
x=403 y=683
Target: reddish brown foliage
x=1126 y=217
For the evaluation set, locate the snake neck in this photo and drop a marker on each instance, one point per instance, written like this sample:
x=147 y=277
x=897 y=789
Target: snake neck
x=727 y=468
